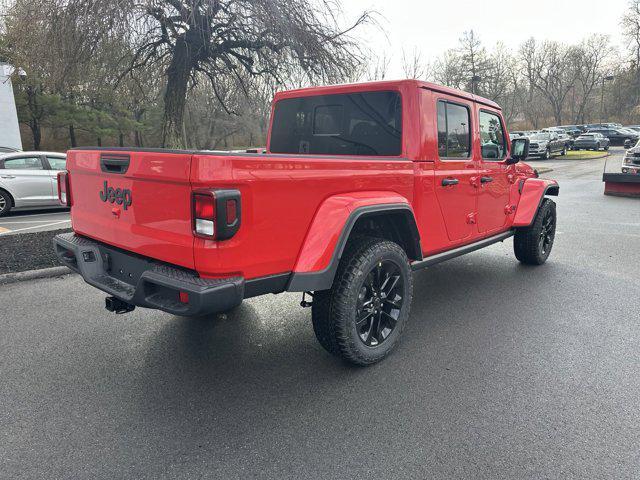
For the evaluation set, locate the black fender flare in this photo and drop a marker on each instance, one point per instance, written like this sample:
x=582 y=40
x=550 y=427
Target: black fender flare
x=323 y=279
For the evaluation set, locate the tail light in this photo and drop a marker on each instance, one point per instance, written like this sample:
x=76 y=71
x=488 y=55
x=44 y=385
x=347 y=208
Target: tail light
x=64 y=190
x=216 y=213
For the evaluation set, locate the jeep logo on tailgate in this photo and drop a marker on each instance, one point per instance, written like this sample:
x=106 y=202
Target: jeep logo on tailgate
x=121 y=196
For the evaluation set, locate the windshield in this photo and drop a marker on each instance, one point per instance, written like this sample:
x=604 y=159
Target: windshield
x=586 y=137
x=540 y=136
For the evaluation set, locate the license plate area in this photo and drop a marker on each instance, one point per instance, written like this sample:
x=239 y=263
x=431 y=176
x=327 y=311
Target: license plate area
x=125 y=267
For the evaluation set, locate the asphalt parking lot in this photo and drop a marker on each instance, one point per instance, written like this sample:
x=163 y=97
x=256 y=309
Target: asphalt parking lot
x=28 y=221
x=505 y=371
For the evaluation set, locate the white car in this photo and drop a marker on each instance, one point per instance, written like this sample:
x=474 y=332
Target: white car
x=631 y=162
x=29 y=180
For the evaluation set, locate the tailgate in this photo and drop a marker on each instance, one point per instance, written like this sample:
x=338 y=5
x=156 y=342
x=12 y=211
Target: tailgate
x=139 y=201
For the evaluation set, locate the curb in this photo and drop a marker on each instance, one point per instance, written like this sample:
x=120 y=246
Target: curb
x=34 y=274
x=544 y=170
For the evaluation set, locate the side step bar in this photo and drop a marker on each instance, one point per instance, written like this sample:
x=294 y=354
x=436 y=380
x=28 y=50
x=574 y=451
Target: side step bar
x=472 y=247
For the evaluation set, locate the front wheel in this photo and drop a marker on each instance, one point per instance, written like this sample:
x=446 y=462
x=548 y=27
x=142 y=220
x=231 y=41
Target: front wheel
x=532 y=245
x=362 y=317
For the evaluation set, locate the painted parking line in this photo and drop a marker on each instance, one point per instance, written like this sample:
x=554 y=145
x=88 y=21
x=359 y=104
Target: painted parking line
x=34 y=226
x=23 y=222
x=27 y=214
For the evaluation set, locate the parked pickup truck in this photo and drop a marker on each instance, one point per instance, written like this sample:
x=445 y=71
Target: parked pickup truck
x=546 y=144
x=358 y=186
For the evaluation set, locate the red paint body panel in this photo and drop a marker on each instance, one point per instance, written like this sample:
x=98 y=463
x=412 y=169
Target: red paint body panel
x=157 y=224
x=294 y=207
x=532 y=193
x=281 y=196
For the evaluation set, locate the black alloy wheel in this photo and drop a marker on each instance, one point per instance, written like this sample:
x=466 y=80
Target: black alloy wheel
x=379 y=303
x=362 y=316
x=547 y=233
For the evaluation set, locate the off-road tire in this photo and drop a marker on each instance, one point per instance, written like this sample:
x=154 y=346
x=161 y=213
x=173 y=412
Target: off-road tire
x=5 y=203
x=334 y=311
x=531 y=244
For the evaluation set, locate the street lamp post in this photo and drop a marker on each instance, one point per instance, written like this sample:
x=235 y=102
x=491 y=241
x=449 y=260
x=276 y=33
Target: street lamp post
x=606 y=78
x=475 y=80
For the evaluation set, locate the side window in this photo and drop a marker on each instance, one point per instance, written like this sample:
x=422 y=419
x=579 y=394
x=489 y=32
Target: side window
x=57 y=163
x=23 y=163
x=491 y=136
x=454 y=136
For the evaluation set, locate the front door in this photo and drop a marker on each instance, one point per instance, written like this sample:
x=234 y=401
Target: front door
x=493 y=175
x=27 y=180
x=455 y=170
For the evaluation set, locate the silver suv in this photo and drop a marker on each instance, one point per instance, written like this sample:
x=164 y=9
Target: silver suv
x=29 y=179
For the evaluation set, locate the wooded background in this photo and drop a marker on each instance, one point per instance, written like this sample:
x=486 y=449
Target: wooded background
x=201 y=73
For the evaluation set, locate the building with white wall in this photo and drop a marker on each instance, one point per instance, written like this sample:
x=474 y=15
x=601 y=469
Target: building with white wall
x=9 y=129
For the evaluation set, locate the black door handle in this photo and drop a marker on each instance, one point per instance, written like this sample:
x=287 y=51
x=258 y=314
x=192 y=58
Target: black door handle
x=486 y=179
x=449 y=181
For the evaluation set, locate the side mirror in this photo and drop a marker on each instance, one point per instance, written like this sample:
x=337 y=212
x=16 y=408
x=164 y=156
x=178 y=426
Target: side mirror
x=519 y=150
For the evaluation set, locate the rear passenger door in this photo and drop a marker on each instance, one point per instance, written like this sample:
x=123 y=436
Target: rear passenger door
x=493 y=182
x=455 y=170
x=27 y=180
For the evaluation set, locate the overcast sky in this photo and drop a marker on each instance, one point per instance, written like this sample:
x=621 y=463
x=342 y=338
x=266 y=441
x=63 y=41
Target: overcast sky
x=435 y=26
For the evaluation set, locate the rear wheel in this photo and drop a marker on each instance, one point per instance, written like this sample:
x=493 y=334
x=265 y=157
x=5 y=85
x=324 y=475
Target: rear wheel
x=597 y=147
x=547 y=154
x=5 y=203
x=532 y=245
x=362 y=317
x=564 y=151
x=606 y=148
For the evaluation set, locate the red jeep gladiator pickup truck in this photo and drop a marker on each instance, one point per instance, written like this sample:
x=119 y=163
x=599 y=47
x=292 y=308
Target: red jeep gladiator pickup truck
x=359 y=185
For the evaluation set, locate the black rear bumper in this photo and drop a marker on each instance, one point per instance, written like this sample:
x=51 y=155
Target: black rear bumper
x=144 y=282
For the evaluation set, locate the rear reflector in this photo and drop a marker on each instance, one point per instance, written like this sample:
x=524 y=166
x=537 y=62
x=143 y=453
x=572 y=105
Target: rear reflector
x=232 y=211
x=184 y=297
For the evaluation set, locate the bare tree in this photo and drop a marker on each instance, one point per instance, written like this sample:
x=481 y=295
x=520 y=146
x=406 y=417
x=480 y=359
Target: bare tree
x=412 y=64
x=217 y=39
x=549 y=69
x=377 y=67
x=590 y=59
x=449 y=70
x=631 y=29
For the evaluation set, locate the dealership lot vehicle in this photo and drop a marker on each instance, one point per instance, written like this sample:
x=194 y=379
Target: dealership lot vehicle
x=591 y=141
x=618 y=136
x=29 y=180
x=547 y=144
x=631 y=162
x=339 y=206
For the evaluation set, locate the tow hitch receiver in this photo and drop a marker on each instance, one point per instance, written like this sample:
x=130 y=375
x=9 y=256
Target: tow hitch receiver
x=116 y=305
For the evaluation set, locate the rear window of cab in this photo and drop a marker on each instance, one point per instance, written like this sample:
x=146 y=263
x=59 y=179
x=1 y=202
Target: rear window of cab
x=361 y=123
